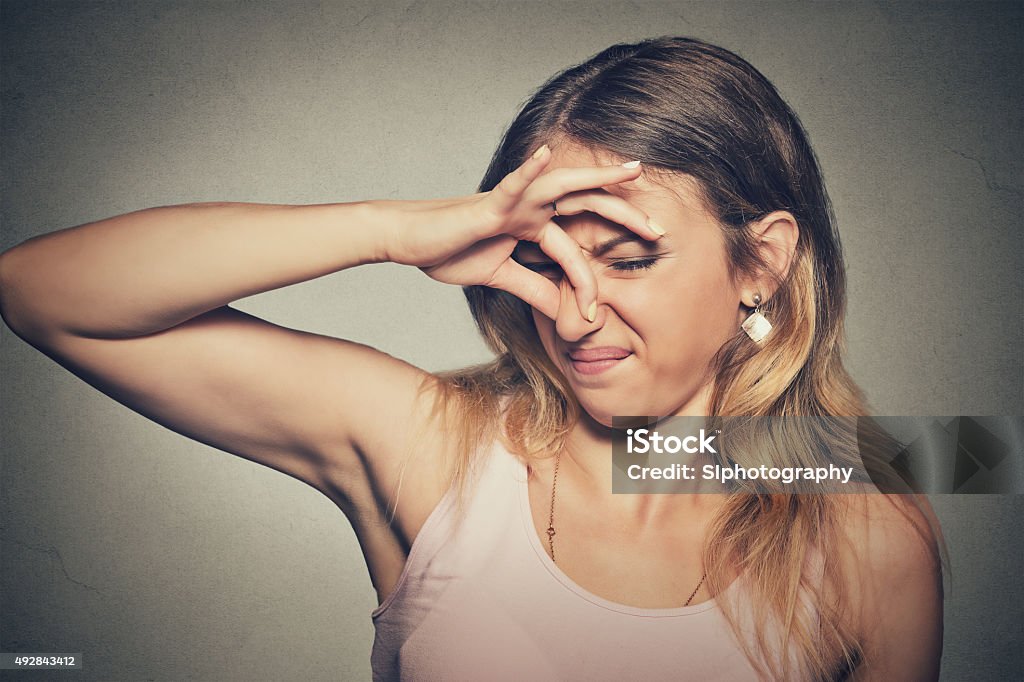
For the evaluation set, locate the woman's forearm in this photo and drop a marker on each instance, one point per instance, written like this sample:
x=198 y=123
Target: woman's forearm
x=149 y=270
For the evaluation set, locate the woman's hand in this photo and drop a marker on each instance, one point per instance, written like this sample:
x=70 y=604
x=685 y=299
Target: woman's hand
x=469 y=240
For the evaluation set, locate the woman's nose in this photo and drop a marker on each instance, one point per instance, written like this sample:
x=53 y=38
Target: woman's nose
x=571 y=324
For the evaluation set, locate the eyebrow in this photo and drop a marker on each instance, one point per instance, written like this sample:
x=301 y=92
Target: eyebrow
x=599 y=250
x=609 y=244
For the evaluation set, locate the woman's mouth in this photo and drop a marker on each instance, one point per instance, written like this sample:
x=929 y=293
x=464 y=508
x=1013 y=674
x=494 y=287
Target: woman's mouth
x=596 y=360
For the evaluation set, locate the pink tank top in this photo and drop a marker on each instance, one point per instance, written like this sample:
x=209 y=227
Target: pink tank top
x=486 y=602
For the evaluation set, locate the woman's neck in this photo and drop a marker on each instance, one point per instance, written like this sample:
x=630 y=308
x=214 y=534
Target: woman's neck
x=589 y=444
x=586 y=460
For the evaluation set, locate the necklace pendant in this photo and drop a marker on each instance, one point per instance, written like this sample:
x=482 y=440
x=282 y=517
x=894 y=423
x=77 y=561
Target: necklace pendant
x=551 y=531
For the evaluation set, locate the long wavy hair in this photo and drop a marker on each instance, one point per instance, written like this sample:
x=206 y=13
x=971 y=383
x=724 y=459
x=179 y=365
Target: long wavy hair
x=688 y=108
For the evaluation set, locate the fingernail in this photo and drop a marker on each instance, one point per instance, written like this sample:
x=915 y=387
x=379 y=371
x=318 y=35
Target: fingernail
x=540 y=152
x=656 y=227
x=592 y=311
x=631 y=164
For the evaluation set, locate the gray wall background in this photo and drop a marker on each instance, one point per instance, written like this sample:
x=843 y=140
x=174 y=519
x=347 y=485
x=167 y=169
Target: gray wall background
x=163 y=559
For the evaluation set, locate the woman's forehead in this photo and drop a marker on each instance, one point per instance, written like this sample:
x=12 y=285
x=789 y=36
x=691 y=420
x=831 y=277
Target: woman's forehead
x=574 y=154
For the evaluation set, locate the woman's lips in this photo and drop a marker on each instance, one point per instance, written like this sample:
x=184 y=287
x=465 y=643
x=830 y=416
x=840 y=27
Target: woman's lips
x=597 y=360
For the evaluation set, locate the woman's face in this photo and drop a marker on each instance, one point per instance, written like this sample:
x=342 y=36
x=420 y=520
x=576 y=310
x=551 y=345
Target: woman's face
x=669 y=304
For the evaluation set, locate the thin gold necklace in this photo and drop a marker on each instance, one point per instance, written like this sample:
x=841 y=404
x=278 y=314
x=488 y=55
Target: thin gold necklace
x=551 y=527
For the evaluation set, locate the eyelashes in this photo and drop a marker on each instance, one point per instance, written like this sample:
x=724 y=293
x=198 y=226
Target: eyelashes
x=548 y=268
x=636 y=264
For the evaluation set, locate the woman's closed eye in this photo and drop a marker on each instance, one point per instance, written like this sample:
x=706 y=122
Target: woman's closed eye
x=552 y=269
x=634 y=264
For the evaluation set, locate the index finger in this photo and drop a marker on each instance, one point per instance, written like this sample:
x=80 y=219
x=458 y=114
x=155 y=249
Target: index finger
x=554 y=184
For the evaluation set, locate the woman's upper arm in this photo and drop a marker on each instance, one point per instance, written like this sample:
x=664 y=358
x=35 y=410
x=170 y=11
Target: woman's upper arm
x=301 y=403
x=897 y=591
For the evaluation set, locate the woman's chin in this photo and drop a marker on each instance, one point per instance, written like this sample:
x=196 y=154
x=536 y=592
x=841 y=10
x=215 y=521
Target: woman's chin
x=604 y=412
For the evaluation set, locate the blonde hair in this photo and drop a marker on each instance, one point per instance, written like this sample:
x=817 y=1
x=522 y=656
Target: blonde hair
x=708 y=117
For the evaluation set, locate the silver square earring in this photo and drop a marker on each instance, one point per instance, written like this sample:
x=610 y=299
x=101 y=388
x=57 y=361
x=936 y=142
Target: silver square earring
x=757 y=325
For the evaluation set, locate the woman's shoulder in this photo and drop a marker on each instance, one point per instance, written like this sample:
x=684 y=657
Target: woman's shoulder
x=891 y=558
x=891 y=531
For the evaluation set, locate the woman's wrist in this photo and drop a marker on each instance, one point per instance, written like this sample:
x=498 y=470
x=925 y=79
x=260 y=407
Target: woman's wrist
x=372 y=224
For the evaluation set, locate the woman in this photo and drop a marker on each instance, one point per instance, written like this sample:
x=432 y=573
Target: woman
x=643 y=211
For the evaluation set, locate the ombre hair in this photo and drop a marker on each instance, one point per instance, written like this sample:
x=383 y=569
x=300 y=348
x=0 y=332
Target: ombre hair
x=699 y=113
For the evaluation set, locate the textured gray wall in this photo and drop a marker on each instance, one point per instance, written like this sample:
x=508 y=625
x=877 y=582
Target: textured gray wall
x=163 y=559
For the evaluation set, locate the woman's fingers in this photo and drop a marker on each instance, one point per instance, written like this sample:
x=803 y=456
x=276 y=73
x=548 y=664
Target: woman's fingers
x=611 y=207
x=510 y=190
x=562 y=181
x=536 y=289
x=576 y=189
x=527 y=185
x=539 y=291
x=564 y=250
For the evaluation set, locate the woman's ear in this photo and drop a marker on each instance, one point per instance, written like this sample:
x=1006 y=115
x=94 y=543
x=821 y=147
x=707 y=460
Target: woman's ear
x=776 y=236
